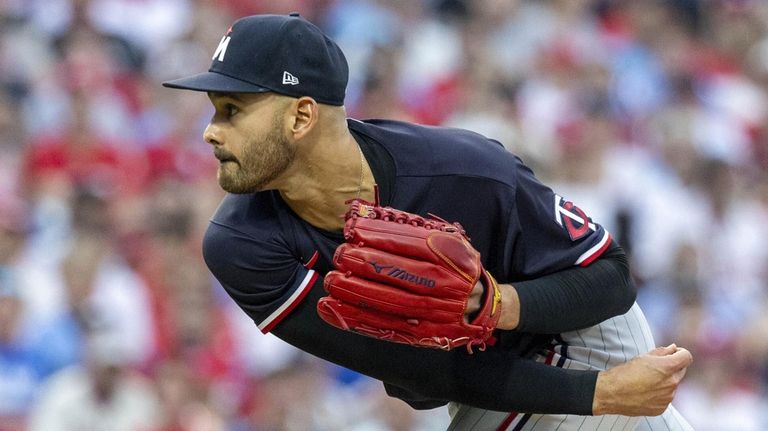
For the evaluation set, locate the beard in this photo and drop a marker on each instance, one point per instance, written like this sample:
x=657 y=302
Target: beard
x=263 y=159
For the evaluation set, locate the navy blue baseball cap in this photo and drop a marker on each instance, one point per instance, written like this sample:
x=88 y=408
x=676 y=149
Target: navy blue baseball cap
x=283 y=54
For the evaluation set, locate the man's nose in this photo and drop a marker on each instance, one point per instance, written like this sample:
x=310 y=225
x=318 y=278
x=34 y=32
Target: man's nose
x=211 y=136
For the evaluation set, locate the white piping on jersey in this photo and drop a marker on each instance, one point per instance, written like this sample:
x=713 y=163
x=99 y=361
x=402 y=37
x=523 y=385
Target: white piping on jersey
x=572 y=216
x=587 y=254
x=305 y=284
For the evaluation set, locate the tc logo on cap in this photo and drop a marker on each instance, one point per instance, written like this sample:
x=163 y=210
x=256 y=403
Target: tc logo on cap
x=222 y=48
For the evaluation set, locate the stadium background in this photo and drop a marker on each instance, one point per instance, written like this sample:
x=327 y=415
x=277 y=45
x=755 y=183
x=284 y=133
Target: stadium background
x=651 y=115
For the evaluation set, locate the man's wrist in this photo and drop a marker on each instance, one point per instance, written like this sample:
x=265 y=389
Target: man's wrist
x=603 y=390
x=510 y=308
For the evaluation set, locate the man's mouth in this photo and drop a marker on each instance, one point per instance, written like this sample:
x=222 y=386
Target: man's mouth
x=224 y=157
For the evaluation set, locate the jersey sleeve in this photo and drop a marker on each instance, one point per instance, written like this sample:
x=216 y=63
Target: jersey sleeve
x=261 y=275
x=556 y=244
x=553 y=233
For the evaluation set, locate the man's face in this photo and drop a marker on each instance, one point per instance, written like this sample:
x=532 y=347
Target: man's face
x=246 y=132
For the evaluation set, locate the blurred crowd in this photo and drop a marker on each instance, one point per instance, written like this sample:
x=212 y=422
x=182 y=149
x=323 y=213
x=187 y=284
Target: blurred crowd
x=651 y=115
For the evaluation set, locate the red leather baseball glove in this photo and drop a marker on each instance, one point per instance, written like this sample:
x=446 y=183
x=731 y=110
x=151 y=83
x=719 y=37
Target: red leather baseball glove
x=405 y=278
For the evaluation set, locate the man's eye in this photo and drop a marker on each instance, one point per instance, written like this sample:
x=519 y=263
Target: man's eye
x=231 y=110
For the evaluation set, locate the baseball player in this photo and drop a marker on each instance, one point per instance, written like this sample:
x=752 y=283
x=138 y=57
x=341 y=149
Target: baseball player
x=570 y=350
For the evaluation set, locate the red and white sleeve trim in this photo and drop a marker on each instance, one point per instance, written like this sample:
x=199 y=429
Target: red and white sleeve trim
x=593 y=253
x=295 y=299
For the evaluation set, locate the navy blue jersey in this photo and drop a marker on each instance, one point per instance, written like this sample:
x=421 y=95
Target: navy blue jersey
x=264 y=255
x=270 y=261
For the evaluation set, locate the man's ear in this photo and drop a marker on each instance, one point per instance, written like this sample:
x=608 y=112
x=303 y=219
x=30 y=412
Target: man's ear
x=304 y=117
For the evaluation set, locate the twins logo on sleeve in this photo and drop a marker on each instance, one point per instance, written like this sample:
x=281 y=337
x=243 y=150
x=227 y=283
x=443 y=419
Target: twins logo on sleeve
x=572 y=218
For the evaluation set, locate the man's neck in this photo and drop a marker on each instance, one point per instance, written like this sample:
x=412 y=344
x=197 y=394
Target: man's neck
x=327 y=175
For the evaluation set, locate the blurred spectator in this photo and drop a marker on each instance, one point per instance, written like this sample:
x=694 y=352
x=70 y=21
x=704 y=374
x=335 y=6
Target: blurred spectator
x=291 y=398
x=186 y=400
x=33 y=342
x=101 y=395
x=101 y=289
x=30 y=352
x=723 y=397
x=18 y=373
x=376 y=100
x=361 y=28
x=11 y=144
x=57 y=164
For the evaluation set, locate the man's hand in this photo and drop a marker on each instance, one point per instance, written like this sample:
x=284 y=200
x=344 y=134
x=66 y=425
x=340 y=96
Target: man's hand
x=644 y=386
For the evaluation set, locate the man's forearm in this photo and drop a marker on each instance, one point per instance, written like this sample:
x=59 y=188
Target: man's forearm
x=571 y=299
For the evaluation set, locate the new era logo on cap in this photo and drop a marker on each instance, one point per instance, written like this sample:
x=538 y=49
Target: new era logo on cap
x=290 y=79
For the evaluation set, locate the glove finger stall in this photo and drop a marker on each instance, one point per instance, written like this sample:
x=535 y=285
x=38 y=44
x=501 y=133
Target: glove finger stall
x=420 y=277
x=392 y=237
x=366 y=294
x=394 y=328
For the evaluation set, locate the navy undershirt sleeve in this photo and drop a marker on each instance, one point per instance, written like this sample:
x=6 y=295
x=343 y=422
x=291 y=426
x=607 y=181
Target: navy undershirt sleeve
x=578 y=297
x=496 y=379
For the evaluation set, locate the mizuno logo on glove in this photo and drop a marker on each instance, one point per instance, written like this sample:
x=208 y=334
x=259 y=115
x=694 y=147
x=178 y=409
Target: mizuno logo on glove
x=378 y=268
x=402 y=274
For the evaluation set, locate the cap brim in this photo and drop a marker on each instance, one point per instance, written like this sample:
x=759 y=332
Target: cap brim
x=214 y=82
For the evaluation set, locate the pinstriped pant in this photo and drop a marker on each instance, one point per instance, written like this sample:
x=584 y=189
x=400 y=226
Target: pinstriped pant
x=600 y=347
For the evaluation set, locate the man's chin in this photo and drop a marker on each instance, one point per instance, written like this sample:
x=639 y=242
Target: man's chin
x=237 y=188
x=230 y=186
